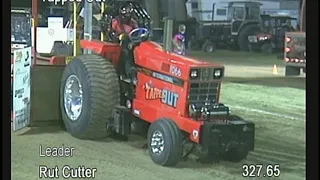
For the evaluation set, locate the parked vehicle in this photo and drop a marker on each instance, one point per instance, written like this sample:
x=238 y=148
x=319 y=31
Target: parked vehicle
x=271 y=39
x=295 y=57
x=242 y=21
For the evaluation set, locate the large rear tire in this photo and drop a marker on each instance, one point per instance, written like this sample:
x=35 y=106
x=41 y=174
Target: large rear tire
x=95 y=96
x=246 y=31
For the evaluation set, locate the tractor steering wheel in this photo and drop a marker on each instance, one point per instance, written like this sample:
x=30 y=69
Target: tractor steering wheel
x=138 y=35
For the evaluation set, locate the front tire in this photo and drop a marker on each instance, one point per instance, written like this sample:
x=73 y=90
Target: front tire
x=95 y=97
x=165 y=142
x=208 y=47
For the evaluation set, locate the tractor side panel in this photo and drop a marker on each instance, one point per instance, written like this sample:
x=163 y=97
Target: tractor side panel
x=45 y=84
x=157 y=99
x=165 y=96
x=108 y=50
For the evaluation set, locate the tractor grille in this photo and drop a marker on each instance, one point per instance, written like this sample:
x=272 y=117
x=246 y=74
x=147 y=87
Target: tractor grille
x=200 y=92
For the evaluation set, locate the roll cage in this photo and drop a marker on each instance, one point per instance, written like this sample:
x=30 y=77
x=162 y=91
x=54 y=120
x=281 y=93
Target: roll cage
x=111 y=10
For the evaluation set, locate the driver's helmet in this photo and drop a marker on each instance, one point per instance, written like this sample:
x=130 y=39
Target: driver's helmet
x=182 y=28
x=126 y=11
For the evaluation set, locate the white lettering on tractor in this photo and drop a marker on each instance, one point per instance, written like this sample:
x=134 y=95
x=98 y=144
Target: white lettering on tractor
x=166 y=96
x=174 y=70
x=169 y=98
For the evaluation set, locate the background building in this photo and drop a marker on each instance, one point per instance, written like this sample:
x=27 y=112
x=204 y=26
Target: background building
x=203 y=10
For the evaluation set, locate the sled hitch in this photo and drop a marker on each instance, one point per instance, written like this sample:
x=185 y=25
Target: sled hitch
x=221 y=136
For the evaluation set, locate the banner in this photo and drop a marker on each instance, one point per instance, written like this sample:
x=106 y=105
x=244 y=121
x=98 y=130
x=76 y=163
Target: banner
x=21 y=88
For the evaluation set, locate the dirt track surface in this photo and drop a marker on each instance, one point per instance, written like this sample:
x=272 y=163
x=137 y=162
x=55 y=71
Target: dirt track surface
x=114 y=160
x=279 y=140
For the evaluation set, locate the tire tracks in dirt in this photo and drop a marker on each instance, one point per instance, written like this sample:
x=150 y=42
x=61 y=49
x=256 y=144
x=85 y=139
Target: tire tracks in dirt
x=267 y=112
x=113 y=159
x=141 y=164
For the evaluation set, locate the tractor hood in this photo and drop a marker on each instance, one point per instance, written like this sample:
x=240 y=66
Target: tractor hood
x=152 y=56
x=157 y=50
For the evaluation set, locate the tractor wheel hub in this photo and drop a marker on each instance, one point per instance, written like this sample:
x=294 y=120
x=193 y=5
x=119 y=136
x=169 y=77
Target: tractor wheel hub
x=157 y=142
x=73 y=98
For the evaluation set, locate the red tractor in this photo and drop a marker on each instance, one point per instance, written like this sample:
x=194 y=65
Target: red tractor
x=175 y=100
x=177 y=96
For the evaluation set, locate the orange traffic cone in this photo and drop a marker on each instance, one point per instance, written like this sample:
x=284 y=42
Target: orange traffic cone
x=274 y=69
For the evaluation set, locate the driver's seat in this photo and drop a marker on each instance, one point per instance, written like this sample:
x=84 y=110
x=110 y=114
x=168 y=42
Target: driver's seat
x=128 y=53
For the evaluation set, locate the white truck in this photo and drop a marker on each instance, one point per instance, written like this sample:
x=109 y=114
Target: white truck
x=217 y=10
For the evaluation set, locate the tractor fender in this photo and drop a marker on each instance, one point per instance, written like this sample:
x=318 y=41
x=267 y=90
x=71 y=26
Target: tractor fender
x=107 y=50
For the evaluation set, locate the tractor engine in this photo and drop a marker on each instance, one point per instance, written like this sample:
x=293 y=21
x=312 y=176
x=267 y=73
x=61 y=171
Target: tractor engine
x=203 y=98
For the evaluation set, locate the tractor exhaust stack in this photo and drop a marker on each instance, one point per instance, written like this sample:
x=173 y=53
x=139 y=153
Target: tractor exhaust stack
x=167 y=34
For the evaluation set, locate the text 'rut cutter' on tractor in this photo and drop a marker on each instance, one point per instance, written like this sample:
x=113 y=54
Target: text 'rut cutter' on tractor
x=176 y=99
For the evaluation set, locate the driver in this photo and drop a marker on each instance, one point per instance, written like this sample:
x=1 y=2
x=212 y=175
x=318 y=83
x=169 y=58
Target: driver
x=122 y=25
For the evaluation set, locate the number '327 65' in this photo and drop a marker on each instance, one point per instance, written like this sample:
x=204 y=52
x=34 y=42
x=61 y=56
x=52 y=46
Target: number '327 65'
x=260 y=170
